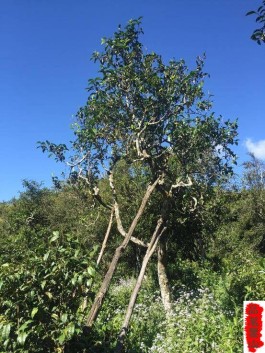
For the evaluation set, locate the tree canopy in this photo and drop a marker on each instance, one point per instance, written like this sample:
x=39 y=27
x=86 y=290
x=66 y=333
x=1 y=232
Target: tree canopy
x=142 y=109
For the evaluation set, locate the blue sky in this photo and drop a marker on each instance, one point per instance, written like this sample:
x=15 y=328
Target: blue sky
x=45 y=64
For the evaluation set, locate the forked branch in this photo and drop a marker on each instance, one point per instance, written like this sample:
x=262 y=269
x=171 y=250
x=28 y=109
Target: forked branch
x=118 y=252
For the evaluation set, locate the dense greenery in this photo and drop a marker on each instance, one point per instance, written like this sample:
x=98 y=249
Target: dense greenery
x=43 y=282
x=201 y=232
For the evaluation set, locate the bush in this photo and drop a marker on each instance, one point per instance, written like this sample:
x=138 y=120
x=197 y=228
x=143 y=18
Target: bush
x=198 y=324
x=147 y=318
x=42 y=301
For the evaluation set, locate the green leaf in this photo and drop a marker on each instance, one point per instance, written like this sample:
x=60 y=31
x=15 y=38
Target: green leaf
x=89 y=282
x=61 y=338
x=55 y=236
x=91 y=271
x=49 y=295
x=6 y=343
x=64 y=317
x=34 y=312
x=80 y=279
x=250 y=13
x=55 y=316
x=25 y=325
x=21 y=338
x=71 y=328
x=43 y=283
x=6 y=331
x=45 y=257
x=77 y=253
x=74 y=279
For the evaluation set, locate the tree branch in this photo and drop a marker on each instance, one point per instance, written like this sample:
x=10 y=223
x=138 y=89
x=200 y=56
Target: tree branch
x=118 y=252
x=106 y=237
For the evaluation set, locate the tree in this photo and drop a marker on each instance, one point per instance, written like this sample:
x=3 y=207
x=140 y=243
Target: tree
x=259 y=34
x=152 y=116
x=254 y=182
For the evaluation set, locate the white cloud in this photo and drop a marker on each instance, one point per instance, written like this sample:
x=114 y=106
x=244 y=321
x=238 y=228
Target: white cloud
x=257 y=148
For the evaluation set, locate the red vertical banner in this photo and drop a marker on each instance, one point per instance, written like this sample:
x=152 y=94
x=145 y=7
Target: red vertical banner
x=254 y=327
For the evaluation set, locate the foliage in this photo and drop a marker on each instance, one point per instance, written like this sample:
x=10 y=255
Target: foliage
x=254 y=183
x=144 y=120
x=198 y=324
x=232 y=270
x=159 y=112
x=42 y=300
x=147 y=115
x=147 y=318
x=201 y=321
x=259 y=34
x=161 y=125
x=27 y=222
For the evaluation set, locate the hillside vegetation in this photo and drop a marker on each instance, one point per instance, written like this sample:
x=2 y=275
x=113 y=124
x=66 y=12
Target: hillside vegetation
x=150 y=244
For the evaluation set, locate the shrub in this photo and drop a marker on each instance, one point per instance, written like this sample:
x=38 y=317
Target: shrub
x=42 y=300
x=198 y=325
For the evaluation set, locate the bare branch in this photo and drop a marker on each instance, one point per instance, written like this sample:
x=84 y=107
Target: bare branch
x=118 y=252
x=195 y=204
x=181 y=184
x=78 y=161
x=138 y=242
x=117 y=214
x=31 y=217
x=122 y=230
x=140 y=153
x=116 y=210
x=106 y=237
x=159 y=120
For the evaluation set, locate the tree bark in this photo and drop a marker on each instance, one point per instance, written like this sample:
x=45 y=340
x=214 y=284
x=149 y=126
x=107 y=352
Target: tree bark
x=118 y=252
x=149 y=252
x=162 y=277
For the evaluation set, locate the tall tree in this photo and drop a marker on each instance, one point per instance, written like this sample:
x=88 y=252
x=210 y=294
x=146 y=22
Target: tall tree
x=154 y=116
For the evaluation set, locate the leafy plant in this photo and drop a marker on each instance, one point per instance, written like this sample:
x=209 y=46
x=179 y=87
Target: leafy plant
x=198 y=324
x=43 y=301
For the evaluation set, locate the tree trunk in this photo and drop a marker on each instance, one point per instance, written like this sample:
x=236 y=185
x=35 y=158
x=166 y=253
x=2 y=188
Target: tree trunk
x=151 y=248
x=162 y=277
x=118 y=252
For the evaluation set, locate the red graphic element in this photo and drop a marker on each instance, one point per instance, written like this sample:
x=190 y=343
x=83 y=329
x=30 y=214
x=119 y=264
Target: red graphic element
x=253 y=326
